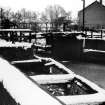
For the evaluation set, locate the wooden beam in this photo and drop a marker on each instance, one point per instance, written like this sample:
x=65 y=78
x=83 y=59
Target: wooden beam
x=48 y=79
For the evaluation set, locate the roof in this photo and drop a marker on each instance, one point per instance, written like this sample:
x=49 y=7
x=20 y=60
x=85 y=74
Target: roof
x=93 y=4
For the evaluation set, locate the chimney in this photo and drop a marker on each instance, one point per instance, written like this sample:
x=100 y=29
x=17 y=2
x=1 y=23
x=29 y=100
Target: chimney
x=100 y=1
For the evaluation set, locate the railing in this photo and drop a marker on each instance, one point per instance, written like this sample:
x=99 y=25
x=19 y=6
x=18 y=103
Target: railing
x=17 y=34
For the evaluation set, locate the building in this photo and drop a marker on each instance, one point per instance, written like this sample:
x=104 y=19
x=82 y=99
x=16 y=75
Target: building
x=94 y=15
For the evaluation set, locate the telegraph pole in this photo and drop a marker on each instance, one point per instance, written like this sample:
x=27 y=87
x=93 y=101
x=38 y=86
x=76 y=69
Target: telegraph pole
x=83 y=15
x=1 y=17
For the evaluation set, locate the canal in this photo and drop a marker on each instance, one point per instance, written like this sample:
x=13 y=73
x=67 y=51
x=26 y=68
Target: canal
x=91 y=71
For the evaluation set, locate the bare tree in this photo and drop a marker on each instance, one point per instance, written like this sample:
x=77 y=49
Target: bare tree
x=68 y=15
x=56 y=15
x=28 y=16
x=54 y=12
x=16 y=16
x=43 y=18
x=6 y=13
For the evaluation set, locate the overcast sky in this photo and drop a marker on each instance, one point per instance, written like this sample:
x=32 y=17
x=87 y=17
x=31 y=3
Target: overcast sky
x=38 y=5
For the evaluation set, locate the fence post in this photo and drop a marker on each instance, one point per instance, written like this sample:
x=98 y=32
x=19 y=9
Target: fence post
x=91 y=34
x=86 y=33
x=30 y=37
x=101 y=34
x=20 y=37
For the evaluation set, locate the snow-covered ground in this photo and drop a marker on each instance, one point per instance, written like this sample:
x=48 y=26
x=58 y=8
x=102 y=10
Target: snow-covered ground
x=4 y=43
x=96 y=35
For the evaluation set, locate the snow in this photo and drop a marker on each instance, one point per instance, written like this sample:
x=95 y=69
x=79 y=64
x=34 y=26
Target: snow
x=16 y=30
x=22 y=89
x=93 y=99
x=26 y=61
x=59 y=78
x=4 y=43
x=96 y=35
x=93 y=50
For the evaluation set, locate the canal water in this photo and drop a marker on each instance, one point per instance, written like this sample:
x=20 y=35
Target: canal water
x=91 y=71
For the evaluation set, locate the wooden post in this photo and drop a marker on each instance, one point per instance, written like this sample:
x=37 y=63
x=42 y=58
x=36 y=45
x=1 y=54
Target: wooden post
x=86 y=32
x=30 y=36
x=101 y=34
x=12 y=37
x=1 y=12
x=20 y=39
x=91 y=34
x=83 y=46
x=35 y=38
x=46 y=27
x=83 y=15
